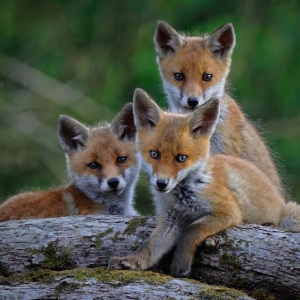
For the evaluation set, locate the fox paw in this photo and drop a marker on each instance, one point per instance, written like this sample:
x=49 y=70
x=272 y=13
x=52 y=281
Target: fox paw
x=126 y=263
x=180 y=269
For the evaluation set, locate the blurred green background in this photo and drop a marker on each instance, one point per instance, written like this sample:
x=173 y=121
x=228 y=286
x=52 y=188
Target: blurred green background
x=85 y=58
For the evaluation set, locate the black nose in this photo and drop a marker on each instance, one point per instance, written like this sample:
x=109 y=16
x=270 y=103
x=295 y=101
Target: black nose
x=113 y=182
x=161 y=183
x=192 y=102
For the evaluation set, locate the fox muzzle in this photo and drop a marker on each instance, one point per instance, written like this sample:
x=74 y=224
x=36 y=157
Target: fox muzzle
x=192 y=102
x=161 y=184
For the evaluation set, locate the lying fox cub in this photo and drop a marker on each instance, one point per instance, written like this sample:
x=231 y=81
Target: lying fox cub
x=196 y=196
x=103 y=168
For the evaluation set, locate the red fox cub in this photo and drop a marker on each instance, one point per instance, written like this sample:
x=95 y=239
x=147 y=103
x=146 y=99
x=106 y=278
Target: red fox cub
x=196 y=195
x=193 y=71
x=103 y=168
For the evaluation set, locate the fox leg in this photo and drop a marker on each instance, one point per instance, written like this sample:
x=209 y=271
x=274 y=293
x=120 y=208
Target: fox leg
x=192 y=236
x=162 y=240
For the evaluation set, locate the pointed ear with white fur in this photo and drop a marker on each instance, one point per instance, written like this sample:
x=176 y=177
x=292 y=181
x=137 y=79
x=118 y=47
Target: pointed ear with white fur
x=222 y=41
x=123 y=124
x=73 y=135
x=146 y=112
x=166 y=39
x=204 y=119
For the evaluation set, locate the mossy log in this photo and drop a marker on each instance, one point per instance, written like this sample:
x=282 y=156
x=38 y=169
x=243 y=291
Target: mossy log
x=100 y=283
x=263 y=261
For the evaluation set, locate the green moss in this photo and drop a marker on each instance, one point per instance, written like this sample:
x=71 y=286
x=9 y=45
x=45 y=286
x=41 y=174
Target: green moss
x=116 y=236
x=114 y=277
x=134 y=246
x=43 y=276
x=4 y=270
x=54 y=258
x=224 y=235
x=99 y=236
x=228 y=259
x=220 y=293
x=262 y=295
x=239 y=282
x=66 y=286
x=120 y=277
x=106 y=254
x=133 y=225
x=227 y=240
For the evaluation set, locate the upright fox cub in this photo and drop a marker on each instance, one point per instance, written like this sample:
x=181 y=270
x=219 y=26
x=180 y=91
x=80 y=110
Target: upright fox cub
x=103 y=168
x=193 y=71
x=196 y=195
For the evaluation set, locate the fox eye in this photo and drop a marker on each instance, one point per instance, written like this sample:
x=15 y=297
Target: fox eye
x=121 y=159
x=181 y=158
x=206 y=77
x=93 y=165
x=154 y=154
x=179 y=76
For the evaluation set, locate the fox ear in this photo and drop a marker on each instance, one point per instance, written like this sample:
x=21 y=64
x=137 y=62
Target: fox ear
x=166 y=39
x=72 y=134
x=123 y=124
x=204 y=119
x=146 y=112
x=222 y=41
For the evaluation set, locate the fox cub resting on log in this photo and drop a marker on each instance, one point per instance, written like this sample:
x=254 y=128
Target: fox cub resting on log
x=196 y=195
x=103 y=167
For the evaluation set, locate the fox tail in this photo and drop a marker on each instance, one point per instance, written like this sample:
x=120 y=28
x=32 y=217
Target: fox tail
x=290 y=218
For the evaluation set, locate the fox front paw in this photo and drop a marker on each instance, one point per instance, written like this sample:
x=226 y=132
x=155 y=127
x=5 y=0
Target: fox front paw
x=127 y=263
x=180 y=269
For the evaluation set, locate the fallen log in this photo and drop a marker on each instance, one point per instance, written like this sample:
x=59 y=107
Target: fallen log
x=108 y=284
x=256 y=259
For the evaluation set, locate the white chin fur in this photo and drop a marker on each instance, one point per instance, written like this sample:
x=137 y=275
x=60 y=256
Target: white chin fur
x=92 y=188
x=114 y=192
x=166 y=191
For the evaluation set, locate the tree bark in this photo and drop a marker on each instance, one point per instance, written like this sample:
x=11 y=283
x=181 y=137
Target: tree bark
x=111 y=285
x=259 y=260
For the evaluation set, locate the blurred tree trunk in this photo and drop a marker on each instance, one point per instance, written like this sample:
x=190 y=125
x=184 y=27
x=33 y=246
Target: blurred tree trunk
x=252 y=258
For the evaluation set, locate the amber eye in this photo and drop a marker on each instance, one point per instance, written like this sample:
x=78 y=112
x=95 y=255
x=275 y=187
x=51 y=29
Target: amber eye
x=206 y=77
x=121 y=159
x=181 y=158
x=93 y=165
x=154 y=154
x=179 y=76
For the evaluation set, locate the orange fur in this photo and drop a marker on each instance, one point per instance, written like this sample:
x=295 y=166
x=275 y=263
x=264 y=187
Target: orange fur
x=48 y=204
x=104 y=148
x=200 y=195
x=162 y=138
x=193 y=57
x=193 y=60
x=103 y=168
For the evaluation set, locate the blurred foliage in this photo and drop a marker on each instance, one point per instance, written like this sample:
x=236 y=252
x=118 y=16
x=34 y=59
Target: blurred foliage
x=102 y=50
